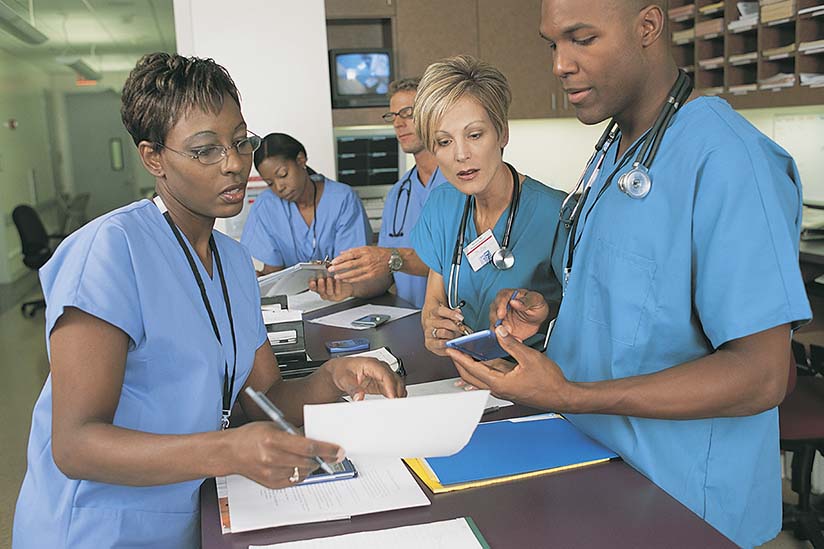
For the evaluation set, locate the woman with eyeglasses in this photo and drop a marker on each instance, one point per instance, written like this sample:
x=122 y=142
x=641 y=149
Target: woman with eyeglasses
x=154 y=330
x=492 y=227
x=306 y=217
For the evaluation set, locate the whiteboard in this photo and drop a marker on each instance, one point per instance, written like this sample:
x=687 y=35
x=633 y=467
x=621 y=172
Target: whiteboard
x=802 y=135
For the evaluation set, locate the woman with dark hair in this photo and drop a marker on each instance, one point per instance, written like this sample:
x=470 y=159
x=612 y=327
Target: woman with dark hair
x=153 y=329
x=306 y=216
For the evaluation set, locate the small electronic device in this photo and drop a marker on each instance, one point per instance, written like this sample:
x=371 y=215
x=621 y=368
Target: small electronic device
x=348 y=345
x=370 y=321
x=341 y=471
x=479 y=345
x=360 y=77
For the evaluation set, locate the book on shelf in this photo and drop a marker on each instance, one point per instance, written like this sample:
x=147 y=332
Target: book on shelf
x=683 y=35
x=781 y=50
x=812 y=79
x=812 y=10
x=811 y=46
x=712 y=63
x=743 y=58
x=681 y=12
x=776 y=81
x=741 y=89
x=713 y=26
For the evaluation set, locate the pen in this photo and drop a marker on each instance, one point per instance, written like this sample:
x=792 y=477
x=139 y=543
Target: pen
x=508 y=307
x=277 y=416
x=463 y=327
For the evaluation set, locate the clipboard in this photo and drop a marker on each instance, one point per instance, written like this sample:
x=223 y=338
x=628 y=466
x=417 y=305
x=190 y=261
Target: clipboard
x=292 y=280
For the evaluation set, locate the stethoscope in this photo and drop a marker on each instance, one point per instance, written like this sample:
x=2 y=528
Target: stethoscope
x=503 y=259
x=406 y=186
x=635 y=183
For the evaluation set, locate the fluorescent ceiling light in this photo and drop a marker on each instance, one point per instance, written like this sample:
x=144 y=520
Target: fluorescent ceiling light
x=79 y=66
x=15 y=25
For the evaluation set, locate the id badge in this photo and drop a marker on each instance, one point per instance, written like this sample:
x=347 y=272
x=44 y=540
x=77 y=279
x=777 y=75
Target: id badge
x=479 y=252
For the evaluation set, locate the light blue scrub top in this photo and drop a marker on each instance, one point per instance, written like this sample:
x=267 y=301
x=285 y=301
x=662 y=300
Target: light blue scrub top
x=409 y=287
x=710 y=255
x=276 y=234
x=536 y=235
x=127 y=268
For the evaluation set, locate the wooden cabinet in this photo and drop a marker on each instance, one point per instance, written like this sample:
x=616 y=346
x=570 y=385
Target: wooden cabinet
x=359 y=9
x=767 y=58
x=429 y=30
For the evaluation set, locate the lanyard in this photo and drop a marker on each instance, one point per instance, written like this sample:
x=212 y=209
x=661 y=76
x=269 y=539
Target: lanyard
x=228 y=385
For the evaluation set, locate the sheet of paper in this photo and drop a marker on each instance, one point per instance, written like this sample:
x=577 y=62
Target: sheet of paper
x=425 y=426
x=381 y=485
x=454 y=534
x=344 y=319
x=442 y=387
x=311 y=301
x=273 y=315
x=383 y=355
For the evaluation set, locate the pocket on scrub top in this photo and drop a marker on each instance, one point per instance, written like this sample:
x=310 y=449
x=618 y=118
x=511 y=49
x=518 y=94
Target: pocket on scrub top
x=618 y=287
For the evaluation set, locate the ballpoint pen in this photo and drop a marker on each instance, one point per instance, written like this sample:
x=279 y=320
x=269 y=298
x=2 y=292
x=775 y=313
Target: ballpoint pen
x=508 y=307
x=277 y=416
x=463 y=327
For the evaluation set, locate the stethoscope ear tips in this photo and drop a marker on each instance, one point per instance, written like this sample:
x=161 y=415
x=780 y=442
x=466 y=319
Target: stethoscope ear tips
x=503 y=259
x=636 y=183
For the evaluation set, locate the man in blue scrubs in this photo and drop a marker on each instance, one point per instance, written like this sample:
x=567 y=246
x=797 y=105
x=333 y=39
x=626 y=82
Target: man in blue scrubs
x=672 y=343
x=373 y=269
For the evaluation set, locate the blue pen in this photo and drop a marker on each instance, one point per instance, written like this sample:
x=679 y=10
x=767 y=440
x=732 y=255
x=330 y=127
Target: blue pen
x=277 y=416
x=508 y=307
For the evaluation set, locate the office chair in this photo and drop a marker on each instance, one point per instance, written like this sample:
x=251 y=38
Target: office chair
x=801 y=426
x=36 y=248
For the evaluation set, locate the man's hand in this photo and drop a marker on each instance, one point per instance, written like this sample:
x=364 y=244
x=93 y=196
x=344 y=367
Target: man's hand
x=331 y=289
x=524 y=315
x=361 y=264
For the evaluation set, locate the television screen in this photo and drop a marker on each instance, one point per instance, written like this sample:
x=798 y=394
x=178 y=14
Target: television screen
x=361 y=78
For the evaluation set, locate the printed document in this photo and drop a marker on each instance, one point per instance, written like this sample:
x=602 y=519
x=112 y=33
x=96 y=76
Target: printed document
x=344 y=319
x=425 y=426
x=440 y=387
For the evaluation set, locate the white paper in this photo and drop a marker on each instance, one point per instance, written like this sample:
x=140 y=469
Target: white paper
x=426 y=426
x=381 y=485
x=292 y=280
x=344 y=319
x=443 y=387
x=311 y=301
x=451 y=534
x=383 y=355
x=273 y=316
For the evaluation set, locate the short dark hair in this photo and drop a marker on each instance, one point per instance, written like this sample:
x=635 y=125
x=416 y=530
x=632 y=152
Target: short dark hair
x=404 y=84
x=162 y=87
x=280 y=145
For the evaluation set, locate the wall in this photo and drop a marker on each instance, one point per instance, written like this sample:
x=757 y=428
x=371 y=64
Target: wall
x=277 y=55
x=25 y=160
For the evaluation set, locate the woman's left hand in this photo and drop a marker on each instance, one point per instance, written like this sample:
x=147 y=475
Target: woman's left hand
x=360 y=376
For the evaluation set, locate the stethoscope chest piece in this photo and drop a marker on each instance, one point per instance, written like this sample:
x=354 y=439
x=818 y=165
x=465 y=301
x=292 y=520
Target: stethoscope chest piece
x=636 y=183
x=503 y=259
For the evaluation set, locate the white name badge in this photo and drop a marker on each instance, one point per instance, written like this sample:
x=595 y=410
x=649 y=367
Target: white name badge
x=479 y=252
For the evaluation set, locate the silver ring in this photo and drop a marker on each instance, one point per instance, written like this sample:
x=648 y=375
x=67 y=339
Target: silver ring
x=295 y=476
x=434 y=333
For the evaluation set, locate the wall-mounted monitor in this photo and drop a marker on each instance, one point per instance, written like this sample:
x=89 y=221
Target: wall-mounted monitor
x=360 y=77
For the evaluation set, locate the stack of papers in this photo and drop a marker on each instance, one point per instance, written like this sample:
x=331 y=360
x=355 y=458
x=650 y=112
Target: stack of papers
x=777 y=81
x=512 y=449
x=744 y=58
x=713 y=63
x=776 y=10
x=741 y=89
x=381 y=485
x=812 y=11
x=292 y=280
x=780 y=52
x=745 y=22
x=461 y=533
x=683 y=36
x=812 y=46
x=311 y=301
x=682 y=13
x=344 y=319
x=710 y=27
x=709 y=9
x=715 y=90
x=812 y=79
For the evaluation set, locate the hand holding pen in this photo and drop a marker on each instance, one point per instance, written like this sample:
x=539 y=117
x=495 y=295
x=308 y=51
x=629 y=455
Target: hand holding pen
x=440 y=324
x=520 y=311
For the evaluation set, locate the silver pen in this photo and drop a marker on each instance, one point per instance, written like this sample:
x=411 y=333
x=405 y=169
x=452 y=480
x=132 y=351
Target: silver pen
x=277 y=416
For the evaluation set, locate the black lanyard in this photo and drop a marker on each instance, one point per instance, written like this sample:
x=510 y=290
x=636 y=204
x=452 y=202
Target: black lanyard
x=228 y=385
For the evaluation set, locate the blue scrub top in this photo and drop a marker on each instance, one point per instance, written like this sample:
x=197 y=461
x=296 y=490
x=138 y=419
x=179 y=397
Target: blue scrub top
x=276 y=234
x=536 y=235
x=710 y=255
x=409 y=194
x=127 y=268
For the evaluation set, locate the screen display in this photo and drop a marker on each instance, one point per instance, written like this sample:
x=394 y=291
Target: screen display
x=362 y=73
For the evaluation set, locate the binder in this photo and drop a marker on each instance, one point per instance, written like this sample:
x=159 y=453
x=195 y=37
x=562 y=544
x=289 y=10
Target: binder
x=513 y=449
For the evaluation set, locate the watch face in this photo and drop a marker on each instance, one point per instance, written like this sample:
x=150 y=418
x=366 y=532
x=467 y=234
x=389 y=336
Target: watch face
x=395 y=261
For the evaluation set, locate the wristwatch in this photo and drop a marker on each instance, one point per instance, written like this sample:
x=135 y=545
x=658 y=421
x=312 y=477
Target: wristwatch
x=395 y=261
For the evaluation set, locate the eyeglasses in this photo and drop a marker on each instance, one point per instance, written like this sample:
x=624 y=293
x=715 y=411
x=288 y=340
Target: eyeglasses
x=216 y=153
x=405 y=113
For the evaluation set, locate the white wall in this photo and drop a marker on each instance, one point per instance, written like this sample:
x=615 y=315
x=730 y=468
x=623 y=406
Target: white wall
x=24 y=154
x=277 y=55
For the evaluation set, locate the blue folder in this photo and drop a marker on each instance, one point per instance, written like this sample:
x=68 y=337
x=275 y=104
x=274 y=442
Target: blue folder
x=515 y=447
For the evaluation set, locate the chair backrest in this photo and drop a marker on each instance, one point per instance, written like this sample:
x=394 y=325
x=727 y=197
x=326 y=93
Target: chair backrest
x=33 y=236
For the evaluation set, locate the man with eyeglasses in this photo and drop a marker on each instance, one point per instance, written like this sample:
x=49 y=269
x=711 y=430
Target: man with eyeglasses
x=371 y=270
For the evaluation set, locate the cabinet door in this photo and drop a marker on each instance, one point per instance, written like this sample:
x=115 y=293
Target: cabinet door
x=353 y=9
x=429 y=30
x=509 y=39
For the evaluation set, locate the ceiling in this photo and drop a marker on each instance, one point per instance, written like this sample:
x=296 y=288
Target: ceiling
x=110 y=35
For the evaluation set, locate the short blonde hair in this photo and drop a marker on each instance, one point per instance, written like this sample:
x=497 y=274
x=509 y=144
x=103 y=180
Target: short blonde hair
x=446 y=82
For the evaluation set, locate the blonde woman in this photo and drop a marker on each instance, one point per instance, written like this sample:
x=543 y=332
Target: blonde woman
x=491 y=228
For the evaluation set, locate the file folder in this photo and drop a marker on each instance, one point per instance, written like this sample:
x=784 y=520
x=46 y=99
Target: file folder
x=513 y=449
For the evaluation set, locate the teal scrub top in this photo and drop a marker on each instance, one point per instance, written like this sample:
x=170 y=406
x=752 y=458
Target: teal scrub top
x=401 y=210
x=127 y=269
x=710 y=255
x=276 y=234
x=537 y=241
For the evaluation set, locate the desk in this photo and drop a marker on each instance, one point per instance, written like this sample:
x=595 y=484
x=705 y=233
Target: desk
x=606 y=505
